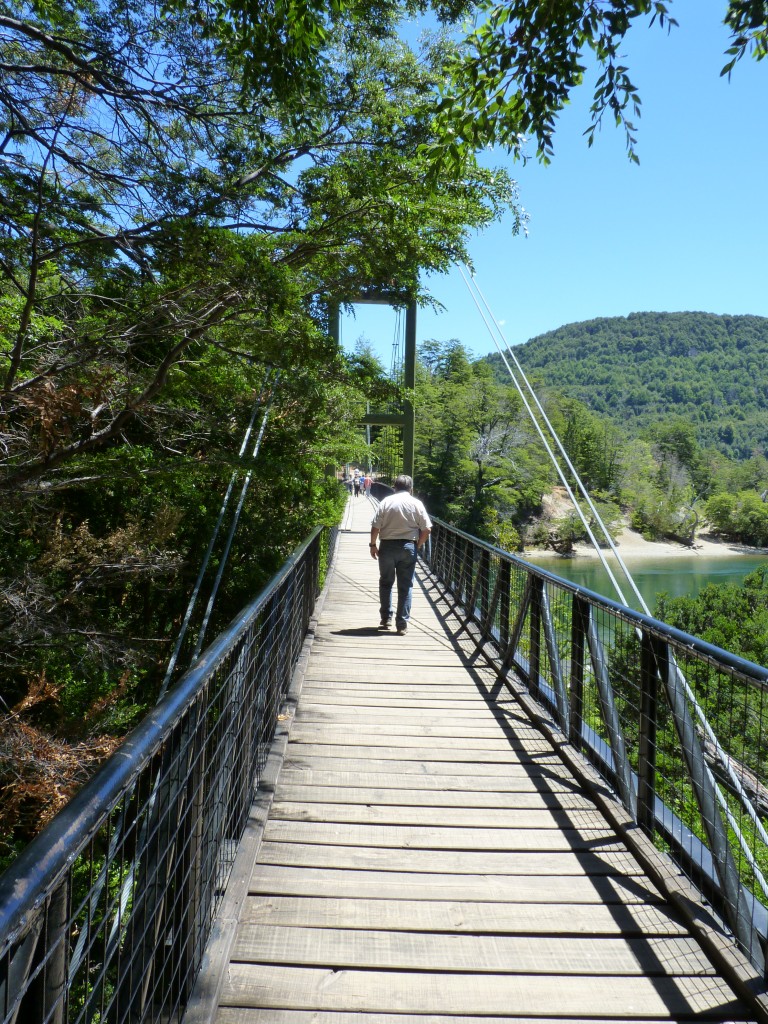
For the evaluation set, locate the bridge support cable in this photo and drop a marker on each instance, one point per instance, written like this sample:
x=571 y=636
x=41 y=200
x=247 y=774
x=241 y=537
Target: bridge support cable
x=235 y=520
x=214 y=536
x=708 y=790
x=518 y=376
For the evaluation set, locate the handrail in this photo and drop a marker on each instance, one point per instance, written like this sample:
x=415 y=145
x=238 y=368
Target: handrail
x=632 y=693
x=756 y=674
x=42 y=862
x=160 y=820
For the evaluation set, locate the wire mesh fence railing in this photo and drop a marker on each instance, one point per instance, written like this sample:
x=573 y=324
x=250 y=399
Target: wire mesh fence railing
x=678 y=727
x=106 y=915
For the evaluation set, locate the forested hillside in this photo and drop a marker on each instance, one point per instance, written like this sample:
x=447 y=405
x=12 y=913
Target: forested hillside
x=647 y=367
x=482 y=464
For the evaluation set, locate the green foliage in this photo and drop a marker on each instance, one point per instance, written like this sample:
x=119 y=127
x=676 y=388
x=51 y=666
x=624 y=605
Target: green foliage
x=696 y=369
x=194 y=188
x=594 y=446
x=741 y=517
x=731 y=616
x=569 y=529
x=653 y=468
x=524 y=58
x=474 y=462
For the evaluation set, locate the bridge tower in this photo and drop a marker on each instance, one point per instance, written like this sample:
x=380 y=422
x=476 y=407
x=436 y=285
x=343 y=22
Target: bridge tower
x=406 y=419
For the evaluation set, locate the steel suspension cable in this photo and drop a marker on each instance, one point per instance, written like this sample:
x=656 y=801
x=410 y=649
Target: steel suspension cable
x=235 y=521
x=547 y=446
x=214 y=536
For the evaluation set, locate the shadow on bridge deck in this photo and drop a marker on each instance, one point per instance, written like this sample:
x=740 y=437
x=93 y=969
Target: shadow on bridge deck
x=429 y=856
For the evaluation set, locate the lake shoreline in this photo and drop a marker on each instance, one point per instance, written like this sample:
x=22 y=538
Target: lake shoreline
x=631 y=545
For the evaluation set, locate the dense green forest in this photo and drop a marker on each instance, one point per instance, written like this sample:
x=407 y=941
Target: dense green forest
x=482 y=463
x=646 y=367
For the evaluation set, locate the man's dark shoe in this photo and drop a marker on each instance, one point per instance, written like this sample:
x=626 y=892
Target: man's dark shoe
x=385 y=624
x=402 y=630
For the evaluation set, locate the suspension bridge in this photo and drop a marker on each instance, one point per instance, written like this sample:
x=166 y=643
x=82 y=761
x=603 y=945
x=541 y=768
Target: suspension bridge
x=428 y=853
x=324 y=823
x=519 y=811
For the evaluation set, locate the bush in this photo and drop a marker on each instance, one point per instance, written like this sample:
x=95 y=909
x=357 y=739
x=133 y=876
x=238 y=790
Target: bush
x=741 y=517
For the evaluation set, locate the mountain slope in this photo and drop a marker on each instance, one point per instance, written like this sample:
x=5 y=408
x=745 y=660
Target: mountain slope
x=637 y=370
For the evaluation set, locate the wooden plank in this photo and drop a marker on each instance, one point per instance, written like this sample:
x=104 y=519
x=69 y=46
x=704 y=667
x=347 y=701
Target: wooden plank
x=304 y=730
x=407 y=775
x=457 y=817
x=422 y=992
x=404 y=837
x=414 y=728
x=406 y=681
x=454 y=755
x=545 y=767
x=393 y=858
x=449 y=916
x=254 y=1015
x=382 y=700
x=380 y=665
x=345 y=714
x=376 y=672
x=407 y=678
x=609 y=888
x=481 y=954
x=381 y=797
x=325 y=737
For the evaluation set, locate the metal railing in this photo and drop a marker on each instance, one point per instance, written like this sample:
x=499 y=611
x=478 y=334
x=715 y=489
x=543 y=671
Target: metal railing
x=105 y=916
x=678 y=727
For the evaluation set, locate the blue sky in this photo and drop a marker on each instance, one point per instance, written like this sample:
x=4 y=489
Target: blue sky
x=687 y=229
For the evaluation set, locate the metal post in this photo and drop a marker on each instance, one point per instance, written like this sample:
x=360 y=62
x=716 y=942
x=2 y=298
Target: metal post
x=653 y=659
x=409 y=380
x=534 y=667
x=484 y=571
x=517 y=629
x=611 y=720
x=579 y=626
x=555 y=669
x=490 y=612
x=505 y=584
x=334 y=322
x=737 y=908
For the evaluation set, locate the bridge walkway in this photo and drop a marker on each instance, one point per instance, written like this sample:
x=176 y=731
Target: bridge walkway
x=428 y=855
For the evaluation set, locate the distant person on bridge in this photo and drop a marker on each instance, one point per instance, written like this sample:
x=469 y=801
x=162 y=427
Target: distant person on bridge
x=401 y=525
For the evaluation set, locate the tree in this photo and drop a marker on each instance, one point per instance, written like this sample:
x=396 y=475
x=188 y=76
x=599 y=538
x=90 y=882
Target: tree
x=474 y=458
x=741 y=517
x=176 y=222
x=206 y=205
x=524 y=59
x=594 y=447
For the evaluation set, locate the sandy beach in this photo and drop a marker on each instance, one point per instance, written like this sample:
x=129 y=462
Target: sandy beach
x=631 y=544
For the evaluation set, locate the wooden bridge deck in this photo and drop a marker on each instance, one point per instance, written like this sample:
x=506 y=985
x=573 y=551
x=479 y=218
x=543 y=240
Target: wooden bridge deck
x=428 y=856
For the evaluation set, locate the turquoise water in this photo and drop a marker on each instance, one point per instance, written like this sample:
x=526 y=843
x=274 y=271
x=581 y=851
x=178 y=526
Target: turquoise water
x=675 y=576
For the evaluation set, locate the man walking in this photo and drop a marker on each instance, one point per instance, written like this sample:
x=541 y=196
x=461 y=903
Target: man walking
x=401 y=525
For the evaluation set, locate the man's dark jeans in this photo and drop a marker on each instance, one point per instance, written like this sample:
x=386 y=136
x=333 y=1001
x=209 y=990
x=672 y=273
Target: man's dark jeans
x=397 y=561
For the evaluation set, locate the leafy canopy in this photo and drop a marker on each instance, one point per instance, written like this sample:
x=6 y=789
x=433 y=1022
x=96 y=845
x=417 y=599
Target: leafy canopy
x=523 y=59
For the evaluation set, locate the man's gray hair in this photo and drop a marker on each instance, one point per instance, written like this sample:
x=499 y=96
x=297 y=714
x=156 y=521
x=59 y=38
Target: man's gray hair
x=404 y=483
